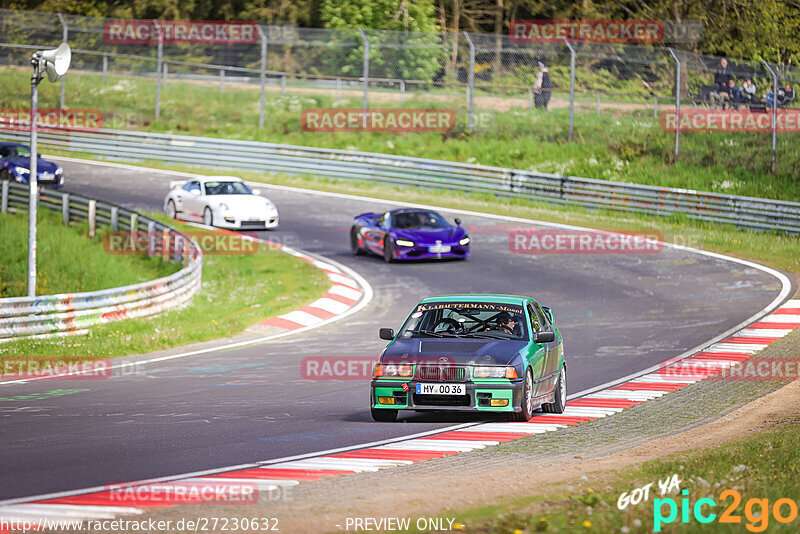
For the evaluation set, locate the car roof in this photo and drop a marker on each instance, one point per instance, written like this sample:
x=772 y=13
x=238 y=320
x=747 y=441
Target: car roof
x=219 y=179
x=480 y=297
x=11 y=143
x=410 y=210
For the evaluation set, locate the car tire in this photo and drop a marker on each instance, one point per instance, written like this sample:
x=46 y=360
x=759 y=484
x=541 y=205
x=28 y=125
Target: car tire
x=388 y=249
x=172 y=212
x=559 y=403
x=527 y=399
x=384 y=416
x=355 y=248
x=208 y=217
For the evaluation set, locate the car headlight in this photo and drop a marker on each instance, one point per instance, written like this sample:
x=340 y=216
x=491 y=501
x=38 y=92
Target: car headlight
x=494 y=372
x=404 y=243
x=464 y=241
x=223 y=206
x=22 y=170
x=59 y=171
x=405 y=370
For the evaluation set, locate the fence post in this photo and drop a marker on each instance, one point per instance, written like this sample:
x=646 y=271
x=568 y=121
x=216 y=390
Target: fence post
x=105 y=66
x=366 y=75
x=151 y=238
x=64 y=37
x=598 y=103
x=165 y=74
x=115 y=218
x=4 y=198
x=471 y=82
x=134 y=231
x=262 y=75
x=65 y=209
x=338 y=89
x=222 y=80
x=165 y=246
x=530 y=98
x=402 y=91
x=571 y=88
x=159 y=59
x=677 y=101
x=655 y=108
x=92 y=217
x=774 y=117
x=283 y=84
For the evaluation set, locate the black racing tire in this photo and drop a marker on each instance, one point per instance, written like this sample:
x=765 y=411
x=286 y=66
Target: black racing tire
x=559 y=403
x=208 y=217
x=527 y=399
x=172 y=212
x=384 y=416
x=355 y=248
x=388 y=249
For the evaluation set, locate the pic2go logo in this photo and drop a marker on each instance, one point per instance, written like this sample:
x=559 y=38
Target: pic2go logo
x=756 y=511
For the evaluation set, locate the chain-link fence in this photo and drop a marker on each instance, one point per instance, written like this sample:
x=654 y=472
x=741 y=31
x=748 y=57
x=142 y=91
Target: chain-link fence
x=492 y=83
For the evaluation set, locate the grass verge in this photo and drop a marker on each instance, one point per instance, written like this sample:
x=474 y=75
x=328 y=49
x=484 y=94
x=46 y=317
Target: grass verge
x=57 y=248
x=238 y=291
x=621 y=144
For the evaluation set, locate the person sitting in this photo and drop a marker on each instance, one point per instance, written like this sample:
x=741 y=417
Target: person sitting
x=722 y=79
x=505 y=323
x=734 y=93
x=748 y=93
x=785 y=96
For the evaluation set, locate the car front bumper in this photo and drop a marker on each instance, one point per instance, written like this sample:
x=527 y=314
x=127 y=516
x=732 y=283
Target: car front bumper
x=236 y=223
x=477 y=398
x=420 y=252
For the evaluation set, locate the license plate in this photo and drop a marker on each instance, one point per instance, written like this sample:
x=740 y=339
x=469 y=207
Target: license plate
x=438 y=249
x=441 y=389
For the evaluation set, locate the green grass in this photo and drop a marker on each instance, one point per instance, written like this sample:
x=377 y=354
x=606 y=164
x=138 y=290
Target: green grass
x=57 y=248
x=763 y=466
x=618 y=144
x=238 y=291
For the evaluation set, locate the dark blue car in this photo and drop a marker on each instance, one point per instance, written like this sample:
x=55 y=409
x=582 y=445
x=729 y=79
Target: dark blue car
x=408 y=234
x=15 y=164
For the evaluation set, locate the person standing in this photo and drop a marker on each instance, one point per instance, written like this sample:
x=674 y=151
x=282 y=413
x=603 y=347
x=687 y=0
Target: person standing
x=722 y=79
x=542 y=87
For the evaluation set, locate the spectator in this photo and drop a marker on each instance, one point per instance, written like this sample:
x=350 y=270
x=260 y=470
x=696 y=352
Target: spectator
x=735 y=94
x=748 y=92
x=722 y=79
x=542 y=87
x=785 y=96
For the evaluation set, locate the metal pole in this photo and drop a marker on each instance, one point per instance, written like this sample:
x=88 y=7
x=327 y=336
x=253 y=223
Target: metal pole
x=774 y=117
x=598 y=103
x=64 y=36
x=655 y=108
x=530 y=98
x=571 y=88
x=165 y=75
x=677 y=102
x=158 y=67
x=33 y=199
x=338 y=89
x=471 y=82
x=366 y=76
x=105 y=66
x=263 y=75
x=221 y=80
x=402 y=91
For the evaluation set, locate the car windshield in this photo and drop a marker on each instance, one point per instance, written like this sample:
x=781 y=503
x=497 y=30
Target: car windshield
x=466 y=319
x=227 y=188
x=415 y=220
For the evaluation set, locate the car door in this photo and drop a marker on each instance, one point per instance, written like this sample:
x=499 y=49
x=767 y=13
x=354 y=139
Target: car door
x=538 y=354
x=189 y=200
x=377 y=232
x=553 y=352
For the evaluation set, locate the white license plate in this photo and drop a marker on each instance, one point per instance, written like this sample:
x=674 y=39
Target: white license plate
x=438 y=249
x=441 y=389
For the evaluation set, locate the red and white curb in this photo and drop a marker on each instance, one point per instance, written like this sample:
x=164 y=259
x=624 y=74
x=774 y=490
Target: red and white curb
x=100 y=503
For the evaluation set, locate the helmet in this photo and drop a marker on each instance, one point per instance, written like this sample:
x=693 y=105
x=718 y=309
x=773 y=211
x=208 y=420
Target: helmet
x=504 y=317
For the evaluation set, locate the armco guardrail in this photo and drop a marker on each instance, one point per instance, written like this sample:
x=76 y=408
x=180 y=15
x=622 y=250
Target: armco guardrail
x=75 y=312
x=744 y=212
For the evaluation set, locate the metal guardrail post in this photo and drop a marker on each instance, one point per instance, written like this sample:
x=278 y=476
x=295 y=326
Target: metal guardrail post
x=774 y=117
x=4 y=198
x=571 y=88
x=365 y=72
x=677 y=101
x=151 y=237
x=64 y=37
x=65 y=209
x=159 y=59
x=134 y=229
x=471 y=82
x=92 y=217
x=165 y=246
x=262 y=75
x=165 y=75
x=115 y=218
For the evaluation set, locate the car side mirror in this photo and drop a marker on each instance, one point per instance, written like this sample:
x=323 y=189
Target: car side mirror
x=544 y=337
x=195 y=192
x=256 y=191
x=458 y=221
x=386 y=333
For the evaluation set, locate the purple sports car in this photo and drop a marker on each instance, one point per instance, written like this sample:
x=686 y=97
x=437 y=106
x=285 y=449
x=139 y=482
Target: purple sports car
x=408 y=234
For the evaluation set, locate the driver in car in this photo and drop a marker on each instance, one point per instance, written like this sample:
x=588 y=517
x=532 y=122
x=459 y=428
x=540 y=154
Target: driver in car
x=506 y=323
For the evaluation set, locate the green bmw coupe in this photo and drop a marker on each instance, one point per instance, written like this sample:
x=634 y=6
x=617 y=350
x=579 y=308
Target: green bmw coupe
x=472 y=353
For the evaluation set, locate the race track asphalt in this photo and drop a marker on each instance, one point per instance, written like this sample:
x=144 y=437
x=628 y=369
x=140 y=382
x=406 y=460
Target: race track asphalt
x=619 y=313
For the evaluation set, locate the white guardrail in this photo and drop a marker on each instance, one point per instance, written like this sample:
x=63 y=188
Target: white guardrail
x=744 y=212
x=74 y=313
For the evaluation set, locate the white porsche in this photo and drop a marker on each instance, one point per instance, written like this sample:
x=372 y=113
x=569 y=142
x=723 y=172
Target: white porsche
x=222 y=201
